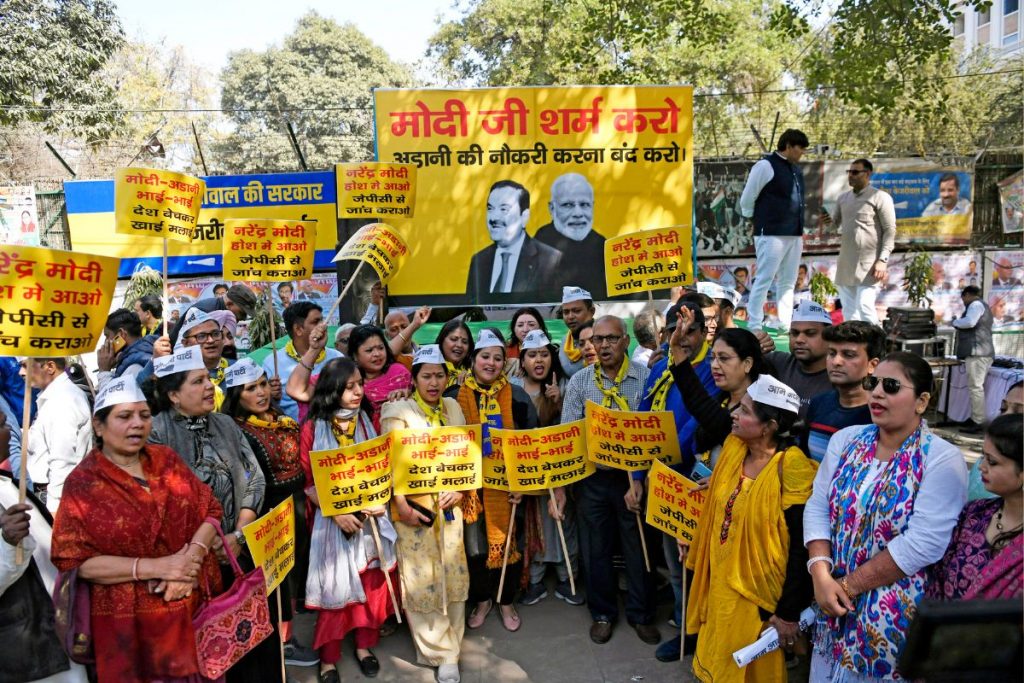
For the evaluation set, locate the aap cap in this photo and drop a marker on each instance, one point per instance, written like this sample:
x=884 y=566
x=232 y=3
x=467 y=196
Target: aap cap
x=771 y=391
x=570 y=294
x=711 y=289
x=118 y=391
x=242 y=296
x=182 y=360
x=534 y=339
x=732 y=296
x=193 y=318
x=431 y=353
x=242 y=372
x=226 y=319
x=487 y=339
x=811 y=312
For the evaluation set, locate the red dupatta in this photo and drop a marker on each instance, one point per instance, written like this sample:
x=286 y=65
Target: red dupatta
x=104 y=511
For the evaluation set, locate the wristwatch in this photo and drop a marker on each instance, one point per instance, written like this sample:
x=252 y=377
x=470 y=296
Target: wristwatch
x=240 y=537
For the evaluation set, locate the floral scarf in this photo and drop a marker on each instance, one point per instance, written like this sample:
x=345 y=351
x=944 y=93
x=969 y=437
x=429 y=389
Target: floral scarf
x=869 y=639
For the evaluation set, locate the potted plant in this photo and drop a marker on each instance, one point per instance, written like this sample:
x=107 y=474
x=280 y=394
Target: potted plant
x=918 y=279
x=822 y=289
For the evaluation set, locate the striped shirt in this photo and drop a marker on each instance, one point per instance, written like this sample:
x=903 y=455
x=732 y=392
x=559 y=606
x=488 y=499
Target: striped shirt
x=582 y=388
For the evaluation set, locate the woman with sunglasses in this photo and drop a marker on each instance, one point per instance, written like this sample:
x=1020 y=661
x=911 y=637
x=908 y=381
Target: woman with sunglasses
x=346 y=582
x=487 y=398
x=985 y=559
x=885 y=501
x=456 y=342
x=436 y=633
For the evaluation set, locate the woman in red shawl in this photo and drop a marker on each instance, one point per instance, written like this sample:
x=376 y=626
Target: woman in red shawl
x=131 y=521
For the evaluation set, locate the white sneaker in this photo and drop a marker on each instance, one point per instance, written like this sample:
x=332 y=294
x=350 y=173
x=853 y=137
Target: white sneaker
x=448 y=673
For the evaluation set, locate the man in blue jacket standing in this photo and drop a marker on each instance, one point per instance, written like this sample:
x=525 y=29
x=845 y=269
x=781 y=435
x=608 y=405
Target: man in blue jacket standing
x=774 y=198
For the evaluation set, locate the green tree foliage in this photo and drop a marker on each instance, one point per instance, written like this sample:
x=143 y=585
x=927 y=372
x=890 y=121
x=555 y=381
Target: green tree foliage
x=52 y=57
x=321 y=80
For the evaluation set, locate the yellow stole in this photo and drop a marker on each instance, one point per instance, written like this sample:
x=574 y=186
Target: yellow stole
x=217 y=377
x=612 y=399
x=659 y=400
x=569 y=347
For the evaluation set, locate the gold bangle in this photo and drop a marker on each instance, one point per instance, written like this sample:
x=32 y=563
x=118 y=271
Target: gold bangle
x=844 y=584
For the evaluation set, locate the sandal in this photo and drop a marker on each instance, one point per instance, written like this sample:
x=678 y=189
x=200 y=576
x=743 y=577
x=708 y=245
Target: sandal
x=479 y=614
x=369 y=665
x=511 y=622
x=329 y=676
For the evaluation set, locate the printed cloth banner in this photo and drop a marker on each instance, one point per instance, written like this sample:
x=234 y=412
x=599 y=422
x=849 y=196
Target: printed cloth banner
x=53 y=303
x=153 y=203
x=672 y=504
x=539 y=459
x=1011 y=202
x=353 y=478
x=19 y=220
x=629 y=440
x=268 y=250
x=368 y=189
x=271 y=540
x=378 y=244
x=518 y=188
x=436 y=460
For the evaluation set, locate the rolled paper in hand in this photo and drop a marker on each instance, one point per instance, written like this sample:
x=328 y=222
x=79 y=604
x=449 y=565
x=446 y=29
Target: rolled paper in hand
x=768 y=641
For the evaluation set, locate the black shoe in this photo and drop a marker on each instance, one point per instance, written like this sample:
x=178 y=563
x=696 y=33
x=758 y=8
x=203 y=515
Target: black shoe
x=648 y=633
x=330 y=676
x=601 y=632
x=369 y=666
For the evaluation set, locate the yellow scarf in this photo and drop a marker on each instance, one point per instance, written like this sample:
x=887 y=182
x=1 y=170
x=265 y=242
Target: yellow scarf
x=453 y=373
x=289 y=348
x=344 y=437
x=569 y=347
x=217 y=376
x=280 y=422
x=612 y=399
x=488 y=398
x=659 y=393
x=435 y=416
x=146 y=331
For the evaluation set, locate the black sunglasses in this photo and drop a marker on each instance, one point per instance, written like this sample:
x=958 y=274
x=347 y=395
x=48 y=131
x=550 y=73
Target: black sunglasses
x=890 y=385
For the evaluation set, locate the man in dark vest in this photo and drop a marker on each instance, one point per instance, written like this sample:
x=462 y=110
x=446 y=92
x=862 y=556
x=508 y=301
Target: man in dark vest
x=774 y=198
x=974 y=346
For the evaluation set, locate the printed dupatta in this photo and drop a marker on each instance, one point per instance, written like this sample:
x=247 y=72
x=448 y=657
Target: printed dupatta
x=869 y=639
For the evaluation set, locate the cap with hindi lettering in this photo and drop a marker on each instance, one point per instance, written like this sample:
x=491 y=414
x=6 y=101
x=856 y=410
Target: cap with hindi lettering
x=711 y=289
x=534 y=339
x=771 y=391
x=811 y=312
x=431 y=353
x=570 y=294
x=194 y=317
x=242 y=372
x=182 y=360
x=118 y=391
x=487 y=339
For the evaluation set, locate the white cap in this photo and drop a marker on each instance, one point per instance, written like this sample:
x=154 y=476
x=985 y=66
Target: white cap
x=431 y=353
x=732 y=295
x=570 y=294
x=193 y=318
x=182 y=360
x=118 y=391
x=811 y=312
x=534 y=339
x=487 y=339
x=711 y=289
x=242 y=372
x=771 y=391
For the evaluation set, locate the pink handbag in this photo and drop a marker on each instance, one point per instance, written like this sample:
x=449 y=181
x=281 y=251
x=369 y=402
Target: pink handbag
x=233 y=623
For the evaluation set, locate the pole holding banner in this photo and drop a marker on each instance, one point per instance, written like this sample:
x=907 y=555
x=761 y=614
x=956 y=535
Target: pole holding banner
x=682 y=620
x=565 y=547
x=26 y=415
x=508 y=546
x=348 y=285
x=280 y=635
x=444 y=572
x=387 y=574
x=273 y=332
x=164 y=304
x=640 y=529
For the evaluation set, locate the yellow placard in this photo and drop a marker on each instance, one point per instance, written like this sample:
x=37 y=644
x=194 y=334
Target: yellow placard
x=353 y=478
x=271 y=540
x=369 y=189
x=494 y=468
x=672 y=503
x=268 y=250
x=155 y=203
x=539 y=459
x=378 y=244
x=628 y=440
x=548 y=172
x=53 y=303
x=648 y=260
x=436 y=459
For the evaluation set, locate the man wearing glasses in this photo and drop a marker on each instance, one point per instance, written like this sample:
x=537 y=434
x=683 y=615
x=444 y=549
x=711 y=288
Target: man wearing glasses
x=867 y=221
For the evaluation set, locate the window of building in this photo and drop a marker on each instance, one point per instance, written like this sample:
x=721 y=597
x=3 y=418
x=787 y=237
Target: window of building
x=958 y=25
x=1010 y=6
x=984 y=17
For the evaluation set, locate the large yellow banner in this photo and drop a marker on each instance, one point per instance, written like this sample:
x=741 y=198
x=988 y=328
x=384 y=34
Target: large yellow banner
x=271 y=540
x=436 y=460
x=673 y=504
x=53 y=303
x=268 y=250
x=518 y=188
x=353 y=478
x=628 y=440
x=539 y=459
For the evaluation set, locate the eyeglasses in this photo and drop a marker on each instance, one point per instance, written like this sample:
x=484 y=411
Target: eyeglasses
x=890 y=385
x=204 y=337
x=601 y=340
x=854 y=171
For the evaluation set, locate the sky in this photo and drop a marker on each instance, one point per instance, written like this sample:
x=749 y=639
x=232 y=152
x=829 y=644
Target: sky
x=210 y=29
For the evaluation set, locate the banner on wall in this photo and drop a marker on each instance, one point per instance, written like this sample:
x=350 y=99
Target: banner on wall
x=19 y=220
x=1011 y=202
x=518 y=188
x=306 y=197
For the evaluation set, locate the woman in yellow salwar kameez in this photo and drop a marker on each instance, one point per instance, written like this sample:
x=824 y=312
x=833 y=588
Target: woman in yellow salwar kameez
x=748 y=558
